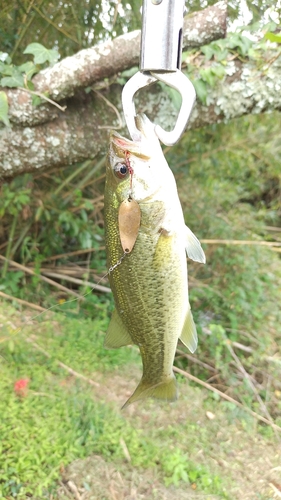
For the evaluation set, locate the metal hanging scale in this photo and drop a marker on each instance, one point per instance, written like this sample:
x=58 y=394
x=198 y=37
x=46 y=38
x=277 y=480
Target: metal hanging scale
x=160 y=59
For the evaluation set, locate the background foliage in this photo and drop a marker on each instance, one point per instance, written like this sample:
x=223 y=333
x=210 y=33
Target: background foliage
x=229 y=182
x=74 y=25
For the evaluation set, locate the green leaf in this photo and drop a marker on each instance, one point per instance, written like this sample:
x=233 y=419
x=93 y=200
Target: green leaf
x=121 y=81
x=88 y=204
x=29 y=68
x=36 y=100
x=270 y=26
x=208 y=51
x=221 y=55
x=241 y=43
x=217 y=49
x=208 y=76
x=128 y=73
x=272 y=37
x=201 y=90
x=255 y=54
x=16 y=80
x=218 y=71
x=38 y=213
x=7 y=69
x=4 y=109
x=84 y=215
x=41 y=54
x=2 y=67
x=30 y=85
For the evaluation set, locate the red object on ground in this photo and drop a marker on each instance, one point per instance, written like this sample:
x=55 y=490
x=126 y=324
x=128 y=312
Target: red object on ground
x=21 y=387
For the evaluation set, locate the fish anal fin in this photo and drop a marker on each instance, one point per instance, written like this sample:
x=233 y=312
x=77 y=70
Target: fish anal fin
x=189 y=333
x=117 y=334
x=165 y=391
x=193 y=247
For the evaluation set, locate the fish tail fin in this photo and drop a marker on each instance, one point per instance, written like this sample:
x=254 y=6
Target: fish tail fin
x=166 y=391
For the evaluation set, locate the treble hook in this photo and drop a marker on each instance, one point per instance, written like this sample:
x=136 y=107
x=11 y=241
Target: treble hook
x=160 y=60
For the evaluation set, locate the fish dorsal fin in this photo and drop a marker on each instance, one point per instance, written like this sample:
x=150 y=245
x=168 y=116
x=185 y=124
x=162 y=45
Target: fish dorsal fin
x=117 y=334
x=193 y=247
x=189 y=333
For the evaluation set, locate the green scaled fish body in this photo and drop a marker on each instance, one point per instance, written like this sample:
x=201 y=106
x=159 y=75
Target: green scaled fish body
x=149 y=284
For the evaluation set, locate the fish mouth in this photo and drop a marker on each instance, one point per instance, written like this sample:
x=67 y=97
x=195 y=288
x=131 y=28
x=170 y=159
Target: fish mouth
x=140 y=149
x=121 y=146
x=120 y=142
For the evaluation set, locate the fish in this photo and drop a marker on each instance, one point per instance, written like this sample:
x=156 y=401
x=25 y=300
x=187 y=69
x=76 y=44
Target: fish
x=146 y=244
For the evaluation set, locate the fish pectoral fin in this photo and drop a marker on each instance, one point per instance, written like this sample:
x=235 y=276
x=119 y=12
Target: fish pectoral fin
x=193 y=247
x=117 y=334
x=189 y=333
x=166 y=391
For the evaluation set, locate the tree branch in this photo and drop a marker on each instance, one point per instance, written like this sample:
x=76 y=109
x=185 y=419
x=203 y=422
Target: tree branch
x=104 y=61
x=52 y=138
x=75 y=135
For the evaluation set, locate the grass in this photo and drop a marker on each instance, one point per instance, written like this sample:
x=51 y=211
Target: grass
x=58 y=409
x=62 y=418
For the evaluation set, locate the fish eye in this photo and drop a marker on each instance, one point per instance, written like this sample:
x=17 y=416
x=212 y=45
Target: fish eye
x=121 y=170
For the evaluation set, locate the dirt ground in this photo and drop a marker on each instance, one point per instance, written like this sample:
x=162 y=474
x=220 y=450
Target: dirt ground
x=250 y=462
x=106 y=482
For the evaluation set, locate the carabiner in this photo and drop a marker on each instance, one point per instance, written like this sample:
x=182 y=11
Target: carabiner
x=175 y=79
x=160 y=59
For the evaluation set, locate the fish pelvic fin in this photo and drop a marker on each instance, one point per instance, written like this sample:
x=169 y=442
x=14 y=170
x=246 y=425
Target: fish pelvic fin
x=189 y=334
x=117 y=334
x=193 y=247
x=165 y=391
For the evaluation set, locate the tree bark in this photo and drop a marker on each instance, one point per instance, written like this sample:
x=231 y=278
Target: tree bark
x=42 y=137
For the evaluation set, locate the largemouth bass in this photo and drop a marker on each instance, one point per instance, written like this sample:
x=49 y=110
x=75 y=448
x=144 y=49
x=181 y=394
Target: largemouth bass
x=147 y=259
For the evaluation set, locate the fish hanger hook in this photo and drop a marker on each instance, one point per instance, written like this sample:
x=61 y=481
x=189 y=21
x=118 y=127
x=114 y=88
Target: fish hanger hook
x=160 y=60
